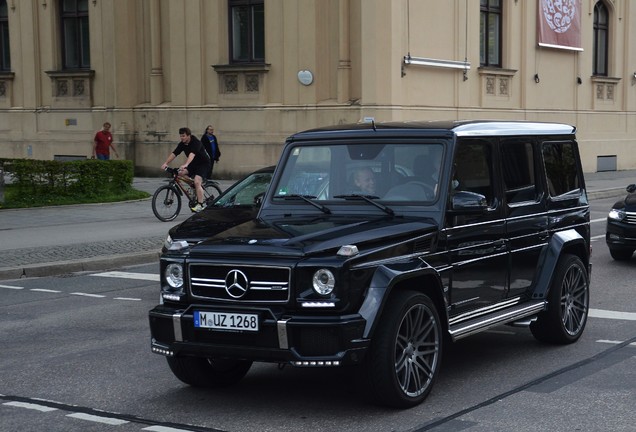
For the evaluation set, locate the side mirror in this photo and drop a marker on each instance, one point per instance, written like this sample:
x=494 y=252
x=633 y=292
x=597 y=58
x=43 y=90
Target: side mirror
x=631 y=188
x=465 y=201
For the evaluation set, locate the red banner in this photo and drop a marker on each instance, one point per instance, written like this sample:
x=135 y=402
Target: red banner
x=559 y=24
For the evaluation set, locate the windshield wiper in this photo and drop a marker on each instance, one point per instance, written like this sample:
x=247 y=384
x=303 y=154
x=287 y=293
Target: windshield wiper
x=368 y=198
x=307 y=198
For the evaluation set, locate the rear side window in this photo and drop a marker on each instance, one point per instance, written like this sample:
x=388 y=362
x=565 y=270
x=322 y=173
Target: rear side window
x=561 y=168
x=517 y=158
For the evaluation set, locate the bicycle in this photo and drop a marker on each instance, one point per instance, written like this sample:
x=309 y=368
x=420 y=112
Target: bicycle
x=166 y=201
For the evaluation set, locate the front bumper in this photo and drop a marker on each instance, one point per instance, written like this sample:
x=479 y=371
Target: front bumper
x=300 y=340
x=620 y=235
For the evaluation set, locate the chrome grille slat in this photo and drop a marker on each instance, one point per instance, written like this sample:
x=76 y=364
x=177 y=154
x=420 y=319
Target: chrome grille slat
x=266 y=284
x=630 y=217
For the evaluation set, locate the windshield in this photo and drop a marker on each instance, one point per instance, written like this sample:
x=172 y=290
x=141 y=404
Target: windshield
x=246 y=192
x=359 y=172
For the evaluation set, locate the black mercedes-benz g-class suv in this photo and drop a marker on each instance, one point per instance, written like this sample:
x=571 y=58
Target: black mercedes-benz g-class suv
x=377 y=244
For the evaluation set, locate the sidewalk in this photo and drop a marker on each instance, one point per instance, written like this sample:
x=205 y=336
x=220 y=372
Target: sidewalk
x=96 y=237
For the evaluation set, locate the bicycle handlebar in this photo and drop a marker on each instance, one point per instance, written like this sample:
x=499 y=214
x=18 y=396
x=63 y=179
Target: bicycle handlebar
x=172 y=171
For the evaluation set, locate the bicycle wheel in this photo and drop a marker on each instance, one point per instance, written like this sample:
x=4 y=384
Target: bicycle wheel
x=166 y=203
x=211 y=191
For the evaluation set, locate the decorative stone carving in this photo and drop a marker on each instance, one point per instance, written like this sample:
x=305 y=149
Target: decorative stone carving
x=490 y=85
x=251 y=83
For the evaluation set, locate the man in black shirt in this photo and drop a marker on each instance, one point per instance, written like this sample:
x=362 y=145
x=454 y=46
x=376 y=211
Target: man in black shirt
x=197 y=164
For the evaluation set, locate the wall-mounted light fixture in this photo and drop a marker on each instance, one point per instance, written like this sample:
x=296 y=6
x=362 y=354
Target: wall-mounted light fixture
x=536 y=78
x=579 y=80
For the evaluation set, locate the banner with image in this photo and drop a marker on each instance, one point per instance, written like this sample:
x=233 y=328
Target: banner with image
x=559 y=24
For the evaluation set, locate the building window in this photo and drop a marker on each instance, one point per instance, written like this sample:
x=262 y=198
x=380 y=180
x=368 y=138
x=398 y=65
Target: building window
x=75 y=38
x=247 y=31
x=490 y=33
x=601 y=32
x=5 y=56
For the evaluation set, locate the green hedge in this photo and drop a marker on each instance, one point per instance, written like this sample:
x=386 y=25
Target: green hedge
x=77 y=179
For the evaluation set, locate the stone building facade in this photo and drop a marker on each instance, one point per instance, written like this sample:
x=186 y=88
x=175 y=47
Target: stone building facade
x=259 y=70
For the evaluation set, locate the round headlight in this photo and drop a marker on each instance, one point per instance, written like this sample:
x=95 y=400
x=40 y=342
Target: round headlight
x=174 y=275
x=617 y=214
x=324 y=282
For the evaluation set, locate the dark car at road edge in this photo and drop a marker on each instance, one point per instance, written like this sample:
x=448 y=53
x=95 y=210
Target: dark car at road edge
x=237 y=204
x=621 y=226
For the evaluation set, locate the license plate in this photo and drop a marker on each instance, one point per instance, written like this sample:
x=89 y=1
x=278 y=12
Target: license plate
x=226 y=321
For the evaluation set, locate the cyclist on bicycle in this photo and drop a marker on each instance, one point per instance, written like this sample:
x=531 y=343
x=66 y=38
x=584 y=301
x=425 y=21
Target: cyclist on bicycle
x=197 y=164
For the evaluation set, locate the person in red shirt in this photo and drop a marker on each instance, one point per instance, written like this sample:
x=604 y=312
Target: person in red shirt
x=103 y=143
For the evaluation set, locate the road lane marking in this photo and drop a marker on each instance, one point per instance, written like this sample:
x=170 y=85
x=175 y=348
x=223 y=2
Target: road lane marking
x=98 y=419
x=45 y=290
x=31 y=406
x=598 y=220
x=11 y=287
x=163 y=429
x=129 y=275
x=597 y=237
x=600 y=313
x=87 y=295
x=127 y=298
x=612 y=342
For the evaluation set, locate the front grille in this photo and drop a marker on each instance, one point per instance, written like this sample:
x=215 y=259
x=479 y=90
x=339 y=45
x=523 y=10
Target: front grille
x=630 y=217
x=239 y=283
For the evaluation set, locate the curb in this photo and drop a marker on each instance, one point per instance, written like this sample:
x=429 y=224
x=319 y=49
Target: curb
x=103 y=263
x=606 y=193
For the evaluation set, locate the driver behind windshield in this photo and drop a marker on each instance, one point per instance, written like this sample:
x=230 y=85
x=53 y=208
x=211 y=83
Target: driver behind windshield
x=364 y=180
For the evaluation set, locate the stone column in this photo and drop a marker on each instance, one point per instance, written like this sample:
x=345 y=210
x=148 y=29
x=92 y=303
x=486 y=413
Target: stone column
x=344 y=60
x=156 y=72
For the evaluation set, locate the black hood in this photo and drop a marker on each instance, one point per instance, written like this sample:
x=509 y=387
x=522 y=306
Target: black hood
x=211 y=221
x=301 y=236
x=628 y=203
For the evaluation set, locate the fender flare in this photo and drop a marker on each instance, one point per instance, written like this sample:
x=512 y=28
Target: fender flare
x=384 y=280
x=549 y=259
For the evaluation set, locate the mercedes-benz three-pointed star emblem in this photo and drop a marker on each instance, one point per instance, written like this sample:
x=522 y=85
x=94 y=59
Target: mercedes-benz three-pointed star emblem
x=236 y=284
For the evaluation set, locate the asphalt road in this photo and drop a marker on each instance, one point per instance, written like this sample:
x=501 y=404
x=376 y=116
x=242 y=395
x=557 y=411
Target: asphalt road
x=76 y=357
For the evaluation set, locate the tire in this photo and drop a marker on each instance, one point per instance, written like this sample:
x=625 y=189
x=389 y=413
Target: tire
x=166 y=203
x=568 y=303
x=621 y=254
x=406 y=352
x=208 y=372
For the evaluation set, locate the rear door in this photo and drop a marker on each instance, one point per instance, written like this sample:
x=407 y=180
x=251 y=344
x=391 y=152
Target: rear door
x=525 y=208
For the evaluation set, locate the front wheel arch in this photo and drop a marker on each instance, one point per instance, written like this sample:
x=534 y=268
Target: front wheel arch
x=386 y=283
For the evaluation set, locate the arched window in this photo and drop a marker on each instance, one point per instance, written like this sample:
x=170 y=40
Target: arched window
x=601 y=36
x=5 y=57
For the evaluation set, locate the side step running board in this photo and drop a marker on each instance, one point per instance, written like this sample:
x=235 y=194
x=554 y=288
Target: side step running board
x=479 y=324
